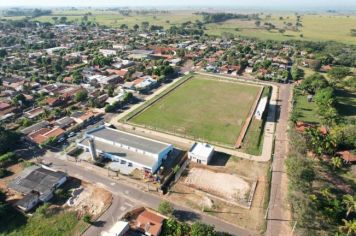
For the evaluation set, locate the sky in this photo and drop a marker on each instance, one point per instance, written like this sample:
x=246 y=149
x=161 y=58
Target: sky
x=347 y=4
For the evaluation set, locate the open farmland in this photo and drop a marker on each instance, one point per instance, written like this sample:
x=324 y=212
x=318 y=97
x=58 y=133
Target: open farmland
x=315 y=28
x=115 y=19
x=202 y=108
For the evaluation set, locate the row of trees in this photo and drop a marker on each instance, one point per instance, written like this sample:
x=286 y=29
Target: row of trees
x=317 y=204
x=221 y=17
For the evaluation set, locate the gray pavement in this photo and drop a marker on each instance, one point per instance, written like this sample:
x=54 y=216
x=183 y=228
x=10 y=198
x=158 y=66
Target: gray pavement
x=136 y=196
x=279 y=217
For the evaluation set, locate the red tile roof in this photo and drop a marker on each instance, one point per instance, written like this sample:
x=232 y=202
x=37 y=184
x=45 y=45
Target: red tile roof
x=150 y=222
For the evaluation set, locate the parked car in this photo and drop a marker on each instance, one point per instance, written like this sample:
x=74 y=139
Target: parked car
x=61 y=140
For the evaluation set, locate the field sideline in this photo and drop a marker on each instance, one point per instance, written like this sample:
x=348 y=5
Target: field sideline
x=202 y=108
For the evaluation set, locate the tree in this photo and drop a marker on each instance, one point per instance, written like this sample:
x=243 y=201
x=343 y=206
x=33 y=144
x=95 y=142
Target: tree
x=257 y=23
x=123 y=26
x=338 y=73
x=8 y=140
x=3 y=53
x=297 y=73
x=20 y=99
x=336 y=162
x=172 y=227
x=199 y=229
x=313 y=83
x=349 y=227
x=165 y=208
x=77 y=77
x=81 y=96
x=87 y=218
x=136 y=27
x=350 y=203
x=144 y=25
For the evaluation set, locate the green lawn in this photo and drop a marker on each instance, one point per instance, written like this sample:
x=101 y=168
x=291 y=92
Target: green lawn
x=253 y=141
x=307 y=110
x=346 y=103
x=61 y=223
x=202 y=108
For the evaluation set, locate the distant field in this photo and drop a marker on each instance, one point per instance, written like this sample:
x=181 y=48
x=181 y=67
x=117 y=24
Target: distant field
x=320 y=27
x=315 y=28
x=114 y=19
x=202 y=108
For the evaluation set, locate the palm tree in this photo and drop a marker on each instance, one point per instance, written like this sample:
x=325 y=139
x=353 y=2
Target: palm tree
x=350 y=202
x=349 y=227
x=336 y=162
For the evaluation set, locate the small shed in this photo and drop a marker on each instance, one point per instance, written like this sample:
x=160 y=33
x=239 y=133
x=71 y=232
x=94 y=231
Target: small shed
x=201 y=153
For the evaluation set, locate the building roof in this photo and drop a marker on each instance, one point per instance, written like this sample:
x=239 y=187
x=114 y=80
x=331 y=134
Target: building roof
x=35 y=127
x=121 y=153
x=37 y=179
x=202 y=149
x=4 y=105
x=150 y=222
x=117 y=229
x=127 y=139
x=26 y=202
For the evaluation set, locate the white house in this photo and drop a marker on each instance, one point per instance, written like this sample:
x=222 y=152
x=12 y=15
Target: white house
x=201 y=153
x=107 y=52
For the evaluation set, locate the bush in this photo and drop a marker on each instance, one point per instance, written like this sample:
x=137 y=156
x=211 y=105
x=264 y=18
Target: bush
x=87 y=218
x=199 y=229
x=3 y=172
x=7 y=158
x=165 y=208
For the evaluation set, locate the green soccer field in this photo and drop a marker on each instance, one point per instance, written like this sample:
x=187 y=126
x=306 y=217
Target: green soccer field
x=202 y=108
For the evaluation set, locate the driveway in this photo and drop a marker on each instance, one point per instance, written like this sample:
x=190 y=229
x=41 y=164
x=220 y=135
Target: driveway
x=120 y=205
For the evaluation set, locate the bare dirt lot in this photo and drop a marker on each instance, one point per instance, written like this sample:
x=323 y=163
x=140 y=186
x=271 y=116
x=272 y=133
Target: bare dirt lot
x=91 y=199
x=253 y=218
x=230 y=187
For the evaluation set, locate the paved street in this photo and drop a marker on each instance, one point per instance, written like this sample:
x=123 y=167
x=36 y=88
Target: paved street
x=137 y=197
x=120 y=205
x=279 y=211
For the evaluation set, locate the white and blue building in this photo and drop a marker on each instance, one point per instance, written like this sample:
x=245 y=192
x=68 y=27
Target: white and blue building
x=125 y=148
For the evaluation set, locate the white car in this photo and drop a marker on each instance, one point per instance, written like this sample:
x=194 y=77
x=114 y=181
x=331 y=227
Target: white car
x=61 y=140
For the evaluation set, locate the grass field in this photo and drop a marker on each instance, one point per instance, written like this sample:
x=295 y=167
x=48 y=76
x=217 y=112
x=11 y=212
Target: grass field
x=57 y=224
x=202 y=108
x=346 y=103
x=307 y=110
x=253 y=141
x=114 y=19
x=316 y=27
